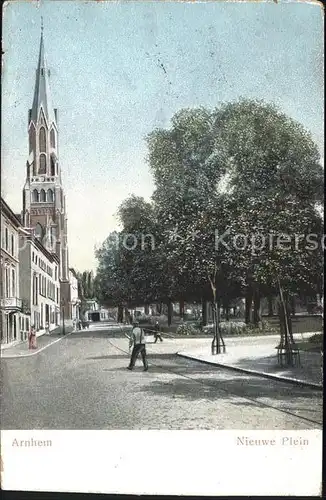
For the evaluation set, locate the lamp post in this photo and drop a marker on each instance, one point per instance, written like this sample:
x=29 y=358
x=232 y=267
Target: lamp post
x=63 y=303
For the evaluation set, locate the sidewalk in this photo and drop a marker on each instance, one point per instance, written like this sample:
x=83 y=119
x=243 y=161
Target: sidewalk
x=260 y=360
x=21 y=350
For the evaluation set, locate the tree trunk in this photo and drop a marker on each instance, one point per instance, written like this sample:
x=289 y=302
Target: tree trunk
x=293 y=305
x=146 y=309
x=120 y=314
x=256 y=317
x=286 y=329
x=182 y=308
x=288 y=310
x=127 y=316
x=218 y=341
x=216 y=344
x=204 y=312
x=249 y=298
x=170 y=311
x=270 y=305
x=226 y=308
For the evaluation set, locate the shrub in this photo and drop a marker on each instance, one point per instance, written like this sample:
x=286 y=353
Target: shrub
x=186 y=329
x=241 y=328
x=143 y=319
x=162 y=319
x=317 y=338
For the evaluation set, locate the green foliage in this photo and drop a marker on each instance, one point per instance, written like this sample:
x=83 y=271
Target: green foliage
x=272 y=178
x=230 y=328
x=186 y=329
x=317 y=338
x=85 y=285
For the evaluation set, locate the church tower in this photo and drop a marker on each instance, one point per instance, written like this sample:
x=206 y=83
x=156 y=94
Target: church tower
x=44 y=204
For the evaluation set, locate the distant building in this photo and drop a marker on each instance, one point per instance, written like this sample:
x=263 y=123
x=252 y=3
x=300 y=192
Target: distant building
x=93 y=312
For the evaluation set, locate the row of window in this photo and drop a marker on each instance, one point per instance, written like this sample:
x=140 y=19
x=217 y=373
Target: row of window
x=51 y=290
x=45 y=288
x=42 y=265
x=8 y=242
x=42 y=139
x=10 y=287
x=43 y=196
x=24 y=323
x=47 y=315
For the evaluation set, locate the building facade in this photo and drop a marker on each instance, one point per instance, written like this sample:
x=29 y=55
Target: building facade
x=74 y=299
x=44 y=202
x=40 y=283
x=11 y=303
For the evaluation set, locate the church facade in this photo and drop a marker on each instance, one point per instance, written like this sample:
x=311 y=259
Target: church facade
x=44 y=202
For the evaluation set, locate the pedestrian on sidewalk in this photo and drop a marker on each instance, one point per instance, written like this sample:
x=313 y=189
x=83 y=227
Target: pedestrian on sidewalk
x=32 y=338
x=157 y=334
x=138 y=341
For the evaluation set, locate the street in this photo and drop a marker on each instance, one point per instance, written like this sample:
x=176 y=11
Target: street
x=82 y=382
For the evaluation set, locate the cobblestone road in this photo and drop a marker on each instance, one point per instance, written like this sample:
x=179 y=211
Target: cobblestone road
x=82 y=383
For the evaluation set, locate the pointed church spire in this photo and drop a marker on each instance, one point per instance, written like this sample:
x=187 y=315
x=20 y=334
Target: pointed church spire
x=42 y=94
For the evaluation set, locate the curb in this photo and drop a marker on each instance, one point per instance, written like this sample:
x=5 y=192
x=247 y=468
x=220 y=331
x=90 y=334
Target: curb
x=255 y=373
x=36 y=352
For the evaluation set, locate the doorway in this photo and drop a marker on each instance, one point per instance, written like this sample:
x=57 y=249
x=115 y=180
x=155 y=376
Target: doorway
x=47 y=313
x=95 y=316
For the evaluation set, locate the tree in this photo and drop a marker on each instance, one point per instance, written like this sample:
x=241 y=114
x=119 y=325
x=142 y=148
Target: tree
x=275 y=183
x=187 y=169
x=261 y=156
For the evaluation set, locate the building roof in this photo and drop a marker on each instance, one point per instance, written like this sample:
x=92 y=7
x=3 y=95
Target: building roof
x=42 y=95
x=33 y=239
x=10 y=214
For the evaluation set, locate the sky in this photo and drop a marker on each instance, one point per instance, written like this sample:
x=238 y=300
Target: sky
x=121 y=69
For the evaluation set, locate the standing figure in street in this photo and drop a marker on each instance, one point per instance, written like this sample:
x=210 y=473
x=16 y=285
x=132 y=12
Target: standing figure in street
x=157 y=334
x=32 y=338
x=138 y=340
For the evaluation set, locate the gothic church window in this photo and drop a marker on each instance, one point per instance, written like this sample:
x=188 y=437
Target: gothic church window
x=35 y=195
x=52 y=166
x=42 y=140
x=42 y=195
x=39 y=231
x=42 y=169
x=52 y=138
x=32 y=137
x=50 y=197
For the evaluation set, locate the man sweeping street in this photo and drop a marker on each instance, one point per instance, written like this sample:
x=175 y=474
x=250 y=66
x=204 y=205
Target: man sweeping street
x=138 y=341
